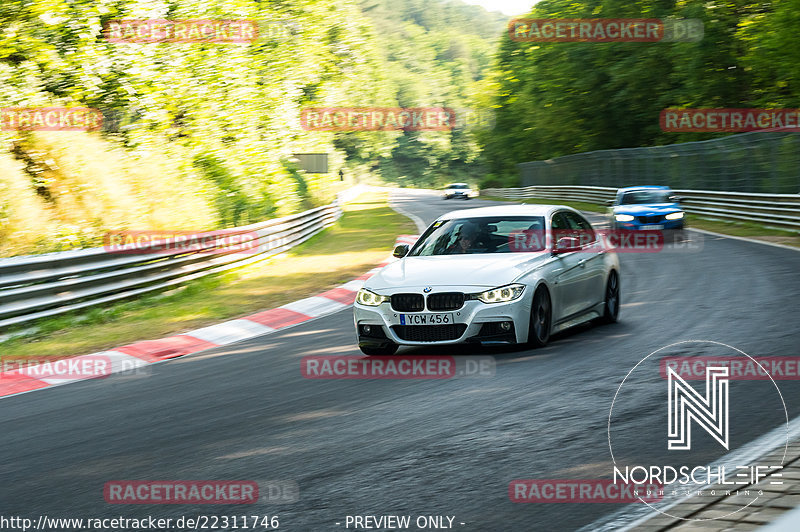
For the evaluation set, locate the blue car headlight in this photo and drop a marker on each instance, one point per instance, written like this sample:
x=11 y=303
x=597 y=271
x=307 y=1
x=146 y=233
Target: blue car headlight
x=623 y=217
x=674 y=215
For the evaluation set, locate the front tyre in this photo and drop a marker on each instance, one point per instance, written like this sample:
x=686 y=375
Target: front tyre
x=541 y=318
x=388 y=349
x=611 y=304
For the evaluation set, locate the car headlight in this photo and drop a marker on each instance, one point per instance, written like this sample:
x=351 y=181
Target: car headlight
x=503 y=294
x=623 y=217
x=370 y=299
x=674 y=215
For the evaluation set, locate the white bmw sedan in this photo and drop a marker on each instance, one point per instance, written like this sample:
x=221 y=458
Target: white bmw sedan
x=513 y=274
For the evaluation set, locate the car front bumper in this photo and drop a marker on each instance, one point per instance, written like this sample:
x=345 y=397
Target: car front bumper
x=637 y=225
x=473 y=322
x=453 y=195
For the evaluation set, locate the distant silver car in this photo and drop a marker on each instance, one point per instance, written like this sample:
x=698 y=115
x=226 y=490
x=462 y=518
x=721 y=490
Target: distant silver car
x=513 y=274
x=458 y=190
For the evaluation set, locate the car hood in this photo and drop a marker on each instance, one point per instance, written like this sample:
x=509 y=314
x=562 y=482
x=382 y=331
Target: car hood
x=647 y=208
x=485 y=270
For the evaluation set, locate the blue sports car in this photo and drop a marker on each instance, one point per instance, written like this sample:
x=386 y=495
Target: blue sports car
x=646 y=207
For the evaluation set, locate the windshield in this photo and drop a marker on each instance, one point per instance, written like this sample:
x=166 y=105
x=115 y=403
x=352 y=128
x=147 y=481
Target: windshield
x=646 y=196
x=458 y=186
x=482 y=235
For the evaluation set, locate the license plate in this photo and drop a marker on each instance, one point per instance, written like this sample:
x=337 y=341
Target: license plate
x=426 y=319
x=654 y=226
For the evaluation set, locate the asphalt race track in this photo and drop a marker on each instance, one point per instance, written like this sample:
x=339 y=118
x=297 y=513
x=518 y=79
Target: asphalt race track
x=396 y=447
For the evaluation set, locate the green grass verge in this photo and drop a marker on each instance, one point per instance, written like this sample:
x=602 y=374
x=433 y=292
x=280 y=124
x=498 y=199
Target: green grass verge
x=581 y=206
x=362 y=238
x=746 y=229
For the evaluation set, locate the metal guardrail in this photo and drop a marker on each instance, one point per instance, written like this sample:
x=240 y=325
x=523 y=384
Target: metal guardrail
x=776 y=210
x=40 y=286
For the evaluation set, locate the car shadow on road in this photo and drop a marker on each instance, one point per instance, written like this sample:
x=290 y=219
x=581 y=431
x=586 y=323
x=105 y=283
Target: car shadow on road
x=590 y=332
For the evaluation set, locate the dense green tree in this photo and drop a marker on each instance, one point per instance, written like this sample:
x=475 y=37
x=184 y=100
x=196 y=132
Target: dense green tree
x=554 y=99
x=219 y=122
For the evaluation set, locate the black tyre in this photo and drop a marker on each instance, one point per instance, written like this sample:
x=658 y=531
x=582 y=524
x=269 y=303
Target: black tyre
x=541 y=318
x=388 y=349
x=611 y=306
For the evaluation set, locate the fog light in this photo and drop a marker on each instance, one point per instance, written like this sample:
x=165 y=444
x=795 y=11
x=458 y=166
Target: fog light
x=505 y=325
x=366 y=328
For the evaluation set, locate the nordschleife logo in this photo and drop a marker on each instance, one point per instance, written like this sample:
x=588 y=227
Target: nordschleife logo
x=727 y=430
x=685 y=404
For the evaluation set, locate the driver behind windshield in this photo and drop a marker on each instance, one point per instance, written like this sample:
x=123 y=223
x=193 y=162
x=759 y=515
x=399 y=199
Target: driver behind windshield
x=465 y=241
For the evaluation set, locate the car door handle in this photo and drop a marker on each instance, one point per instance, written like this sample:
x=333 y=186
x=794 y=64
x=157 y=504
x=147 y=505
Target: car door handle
x=582 y=263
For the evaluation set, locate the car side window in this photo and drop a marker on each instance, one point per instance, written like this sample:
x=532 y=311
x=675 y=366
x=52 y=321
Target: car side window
x=558 y=222
x=583 y=229
x=560 y=227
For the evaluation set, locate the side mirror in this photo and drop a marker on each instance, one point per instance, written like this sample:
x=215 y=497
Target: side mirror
x=401 y=251
x=675 y=199
x=566 y=244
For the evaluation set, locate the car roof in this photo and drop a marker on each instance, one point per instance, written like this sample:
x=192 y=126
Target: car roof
x=451 y=184
x=507 y=210
x=644 y=187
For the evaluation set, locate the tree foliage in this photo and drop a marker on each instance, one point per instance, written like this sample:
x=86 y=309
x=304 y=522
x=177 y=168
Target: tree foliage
x=218 y=123
x=554 y=99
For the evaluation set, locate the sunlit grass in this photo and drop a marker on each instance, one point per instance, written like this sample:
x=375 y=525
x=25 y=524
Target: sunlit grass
x=580 y=205
x=80 y=185
x=64 y=190
x=362 y=238
x=747 y=229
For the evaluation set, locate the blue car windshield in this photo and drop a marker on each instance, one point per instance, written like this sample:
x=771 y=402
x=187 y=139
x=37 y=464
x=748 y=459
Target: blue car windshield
x=645 y=196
